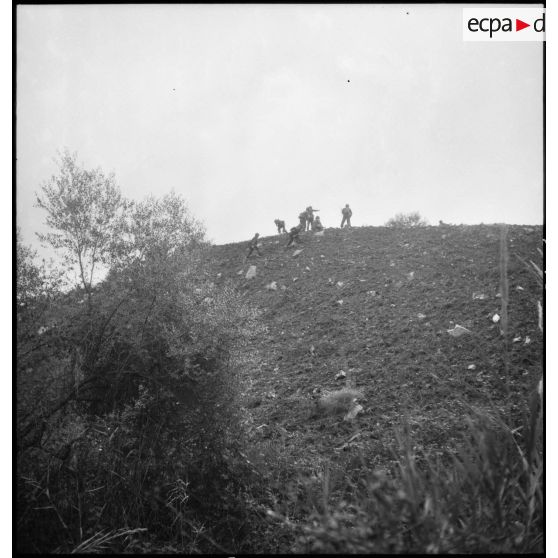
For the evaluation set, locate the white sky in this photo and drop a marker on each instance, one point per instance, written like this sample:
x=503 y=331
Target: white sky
x=246 y=110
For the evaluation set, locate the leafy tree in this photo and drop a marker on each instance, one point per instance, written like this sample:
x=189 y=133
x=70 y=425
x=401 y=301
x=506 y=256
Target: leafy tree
x=407 y=220
x=86 y=211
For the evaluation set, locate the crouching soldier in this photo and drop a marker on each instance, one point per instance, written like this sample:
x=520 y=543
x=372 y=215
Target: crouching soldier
x=347 y=214
x=280 y=226
x=253 y=246
x=293 y=235
x=317 y=225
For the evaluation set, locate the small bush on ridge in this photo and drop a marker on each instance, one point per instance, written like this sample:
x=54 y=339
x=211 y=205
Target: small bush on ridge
x=407 y=220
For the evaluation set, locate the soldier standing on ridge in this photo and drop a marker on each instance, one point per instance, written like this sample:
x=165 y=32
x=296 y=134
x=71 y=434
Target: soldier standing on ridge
x=310 y=217
x=253 y=246
x=347 y=214
x=280 y=225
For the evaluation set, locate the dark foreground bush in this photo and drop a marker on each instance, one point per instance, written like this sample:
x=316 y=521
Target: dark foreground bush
x=129 y=429
x=145 y=431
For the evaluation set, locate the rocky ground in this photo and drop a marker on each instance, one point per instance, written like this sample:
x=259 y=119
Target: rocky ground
x=377 y=304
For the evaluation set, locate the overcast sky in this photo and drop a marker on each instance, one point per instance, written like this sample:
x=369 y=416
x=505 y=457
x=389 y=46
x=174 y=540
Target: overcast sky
x=253 y=112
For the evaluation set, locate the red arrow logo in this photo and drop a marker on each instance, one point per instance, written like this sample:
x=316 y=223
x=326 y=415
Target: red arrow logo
x=519 y=25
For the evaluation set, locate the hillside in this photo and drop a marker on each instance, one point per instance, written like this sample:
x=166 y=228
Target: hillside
x=377 y=303
x=164 y=414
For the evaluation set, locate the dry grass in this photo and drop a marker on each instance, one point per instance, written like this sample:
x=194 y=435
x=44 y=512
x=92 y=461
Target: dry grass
x=100 y=542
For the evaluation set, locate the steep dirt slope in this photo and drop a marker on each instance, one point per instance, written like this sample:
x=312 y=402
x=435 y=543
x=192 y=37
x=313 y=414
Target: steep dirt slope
x=377 y=303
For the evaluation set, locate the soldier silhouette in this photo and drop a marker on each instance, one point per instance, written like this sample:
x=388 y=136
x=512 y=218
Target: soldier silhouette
x=280 y=225
x=310 y=217
x=293 y=234
x=253 y=246
x=347 y=214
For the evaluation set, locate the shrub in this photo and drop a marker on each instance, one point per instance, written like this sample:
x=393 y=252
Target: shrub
x=407 y=220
